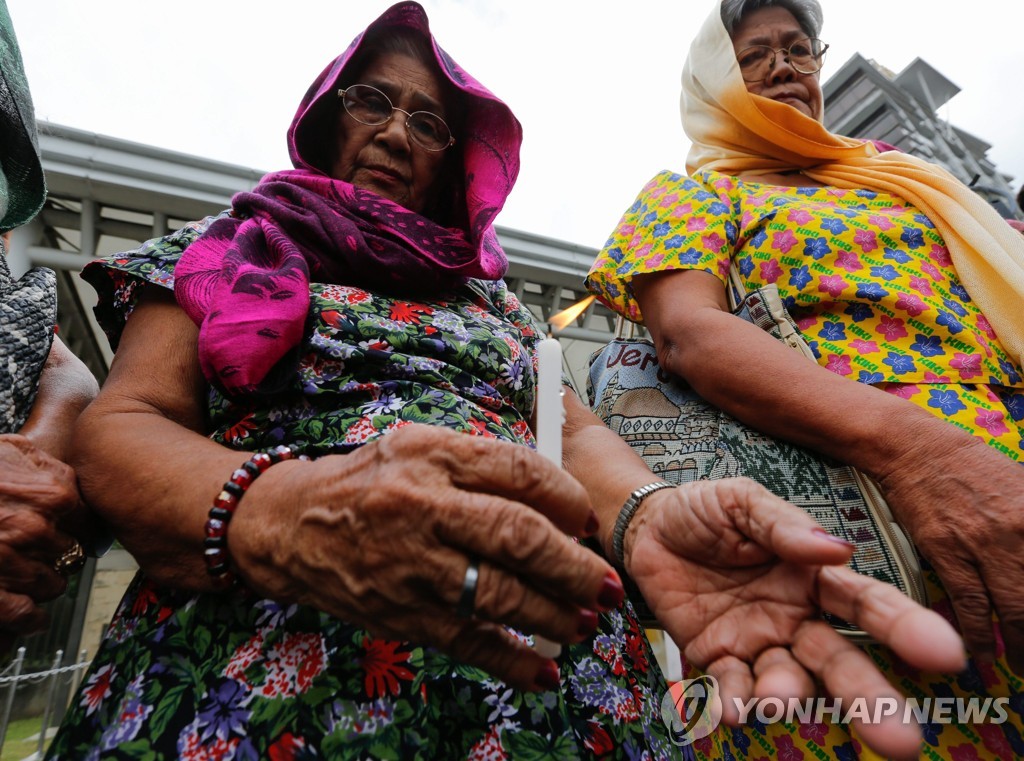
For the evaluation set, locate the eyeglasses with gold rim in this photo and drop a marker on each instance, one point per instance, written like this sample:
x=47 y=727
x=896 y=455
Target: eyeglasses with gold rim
x=368 y=105
x=805 y=56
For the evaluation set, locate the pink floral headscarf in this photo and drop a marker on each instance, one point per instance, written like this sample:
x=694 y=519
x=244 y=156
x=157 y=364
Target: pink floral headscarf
x=490 y=138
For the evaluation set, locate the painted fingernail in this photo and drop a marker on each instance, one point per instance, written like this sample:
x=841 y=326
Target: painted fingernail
x=593 y=524
x=587 y=623
x=832 y=537
x=612 y=594
x=548 y=677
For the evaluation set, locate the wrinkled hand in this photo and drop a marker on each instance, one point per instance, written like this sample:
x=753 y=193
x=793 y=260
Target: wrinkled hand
x=738 y=578
x=963 y=505
x=382 y=537
x=36 y=491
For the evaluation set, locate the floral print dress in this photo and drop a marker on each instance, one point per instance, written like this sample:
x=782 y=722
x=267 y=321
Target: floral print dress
x=236 y=677
x=871 y=285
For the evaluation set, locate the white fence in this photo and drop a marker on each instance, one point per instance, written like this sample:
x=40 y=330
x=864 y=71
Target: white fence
x=12 y=679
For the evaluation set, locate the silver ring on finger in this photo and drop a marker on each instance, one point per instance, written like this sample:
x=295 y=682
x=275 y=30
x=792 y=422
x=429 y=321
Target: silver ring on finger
x=467 y=600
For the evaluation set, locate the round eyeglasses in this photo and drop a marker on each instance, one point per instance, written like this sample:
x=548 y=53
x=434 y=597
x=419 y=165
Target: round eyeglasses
x=368 y=105
x=805 y=56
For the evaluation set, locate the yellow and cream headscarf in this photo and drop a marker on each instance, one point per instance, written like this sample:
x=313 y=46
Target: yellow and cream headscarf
x=733 y=131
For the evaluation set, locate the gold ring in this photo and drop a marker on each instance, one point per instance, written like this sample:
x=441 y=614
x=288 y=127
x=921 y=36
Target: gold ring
x=71 y=561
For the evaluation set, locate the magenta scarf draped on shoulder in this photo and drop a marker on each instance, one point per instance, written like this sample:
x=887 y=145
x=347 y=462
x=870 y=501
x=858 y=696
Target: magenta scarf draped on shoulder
x=245 y=281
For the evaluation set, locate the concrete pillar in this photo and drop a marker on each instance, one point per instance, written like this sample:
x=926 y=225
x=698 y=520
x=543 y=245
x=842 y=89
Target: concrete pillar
x=19 y=241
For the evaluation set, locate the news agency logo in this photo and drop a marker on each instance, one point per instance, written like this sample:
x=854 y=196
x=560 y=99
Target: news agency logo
x=946 y=710
x=691 y=709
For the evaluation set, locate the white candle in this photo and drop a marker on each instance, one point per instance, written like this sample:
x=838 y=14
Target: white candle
x=550 y=414
x=550 y=411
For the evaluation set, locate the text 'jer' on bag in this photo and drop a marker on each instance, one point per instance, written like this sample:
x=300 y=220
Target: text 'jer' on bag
x=683 y=438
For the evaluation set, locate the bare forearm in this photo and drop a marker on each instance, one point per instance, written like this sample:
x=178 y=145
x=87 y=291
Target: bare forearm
x=773 y=388
x=65 y=388
x=769 y=386
x=606 y=466
x=153 y=482
x=143 y=460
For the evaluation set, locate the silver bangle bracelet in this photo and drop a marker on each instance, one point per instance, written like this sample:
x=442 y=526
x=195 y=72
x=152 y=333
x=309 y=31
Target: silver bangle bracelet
x=626 y=515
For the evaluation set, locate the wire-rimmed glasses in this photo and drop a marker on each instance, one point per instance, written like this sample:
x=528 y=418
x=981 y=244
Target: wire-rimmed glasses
x=368 y=105
x=805 y=56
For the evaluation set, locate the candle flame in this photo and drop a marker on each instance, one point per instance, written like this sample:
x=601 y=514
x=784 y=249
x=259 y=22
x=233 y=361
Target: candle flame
x=561 y=320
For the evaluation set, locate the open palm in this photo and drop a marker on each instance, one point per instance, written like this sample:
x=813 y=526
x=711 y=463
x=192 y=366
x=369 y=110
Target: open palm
x=739 y=578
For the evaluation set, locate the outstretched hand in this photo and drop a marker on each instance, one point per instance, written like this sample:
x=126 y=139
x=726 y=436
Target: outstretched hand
x=382 y=537
x=738 y=578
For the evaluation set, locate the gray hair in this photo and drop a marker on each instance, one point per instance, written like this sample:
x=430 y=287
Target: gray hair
x=806 y=12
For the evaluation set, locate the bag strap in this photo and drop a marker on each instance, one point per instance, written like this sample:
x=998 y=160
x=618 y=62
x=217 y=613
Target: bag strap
x=766 y=310
x=781 y=324
x=627 y=330
x=735 y=291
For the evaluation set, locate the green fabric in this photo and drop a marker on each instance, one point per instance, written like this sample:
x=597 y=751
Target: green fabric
x=28 y=307
x=22 y=186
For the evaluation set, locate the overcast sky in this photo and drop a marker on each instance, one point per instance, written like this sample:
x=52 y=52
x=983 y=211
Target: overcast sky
x=595 y=84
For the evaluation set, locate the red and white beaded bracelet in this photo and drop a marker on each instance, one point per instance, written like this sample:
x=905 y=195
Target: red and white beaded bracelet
x=218 y=562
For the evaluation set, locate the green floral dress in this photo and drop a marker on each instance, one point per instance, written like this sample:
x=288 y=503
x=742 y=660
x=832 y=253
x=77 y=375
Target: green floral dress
x=237 y=677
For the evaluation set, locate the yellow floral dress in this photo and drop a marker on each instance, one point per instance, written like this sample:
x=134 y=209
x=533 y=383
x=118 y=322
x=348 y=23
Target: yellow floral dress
x=870 y=283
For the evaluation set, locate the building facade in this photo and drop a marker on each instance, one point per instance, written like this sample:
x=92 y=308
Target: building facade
x=864 y=99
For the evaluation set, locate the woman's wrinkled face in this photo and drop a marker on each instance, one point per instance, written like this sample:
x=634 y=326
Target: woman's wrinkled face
x=383 y=158
x=778 y=28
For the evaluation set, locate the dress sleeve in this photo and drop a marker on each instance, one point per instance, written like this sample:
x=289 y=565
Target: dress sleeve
x=117 y=278
x=675 y=223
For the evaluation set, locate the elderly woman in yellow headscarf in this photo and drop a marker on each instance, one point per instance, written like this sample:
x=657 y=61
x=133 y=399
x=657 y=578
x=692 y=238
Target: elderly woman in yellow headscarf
x=909 y=289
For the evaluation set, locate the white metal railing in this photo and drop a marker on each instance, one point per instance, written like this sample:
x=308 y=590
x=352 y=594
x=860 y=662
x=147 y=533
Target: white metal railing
x=12 y=679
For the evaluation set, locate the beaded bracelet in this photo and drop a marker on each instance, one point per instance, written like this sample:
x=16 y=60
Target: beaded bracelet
x=216 y=554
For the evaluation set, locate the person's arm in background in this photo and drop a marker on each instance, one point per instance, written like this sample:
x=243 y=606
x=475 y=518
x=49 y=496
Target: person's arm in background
x=41 y=514
x=959 y=500
x=36 y=493
x=65 y=389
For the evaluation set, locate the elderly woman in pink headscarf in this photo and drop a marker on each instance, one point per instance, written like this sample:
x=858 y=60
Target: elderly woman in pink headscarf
x=317 y=439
